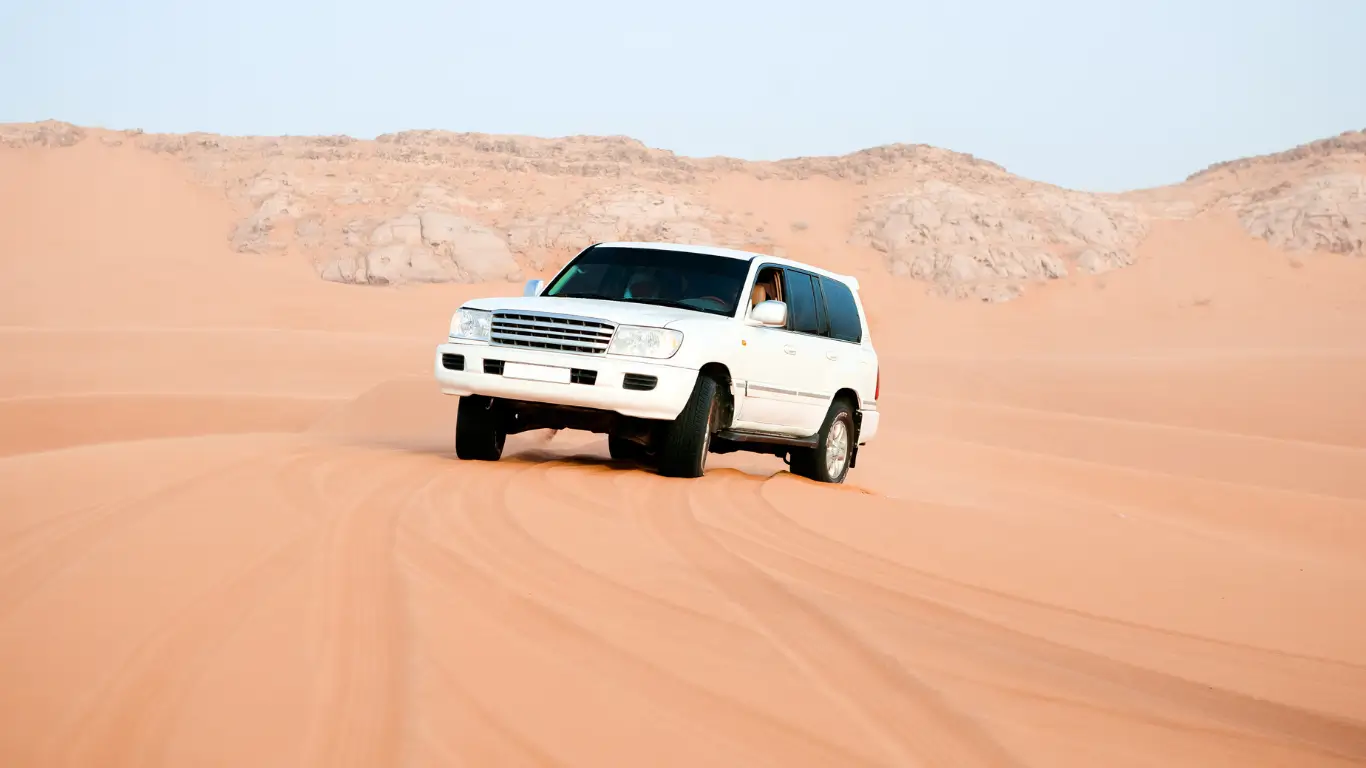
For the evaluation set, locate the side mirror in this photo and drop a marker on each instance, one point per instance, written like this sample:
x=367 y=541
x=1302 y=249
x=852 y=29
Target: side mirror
x=771 y=312
x=532 y=287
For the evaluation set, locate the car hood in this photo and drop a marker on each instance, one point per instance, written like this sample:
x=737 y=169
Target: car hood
x=619 y=312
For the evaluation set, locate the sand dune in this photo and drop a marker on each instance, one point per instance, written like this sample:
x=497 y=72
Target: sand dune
x=1108 y=523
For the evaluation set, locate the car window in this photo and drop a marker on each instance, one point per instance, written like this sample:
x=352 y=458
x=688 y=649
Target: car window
x=768 y=286
x=585 y=277
x=682 y=279
x=801 y=304
x=841 y=311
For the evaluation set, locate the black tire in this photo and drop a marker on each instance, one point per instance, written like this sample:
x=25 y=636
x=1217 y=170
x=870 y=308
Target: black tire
x=687 y=440
x=479 y=434
x=622 y=449
x=813 y=463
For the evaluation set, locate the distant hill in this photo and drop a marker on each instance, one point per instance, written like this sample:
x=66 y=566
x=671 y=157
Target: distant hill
x=435 y=206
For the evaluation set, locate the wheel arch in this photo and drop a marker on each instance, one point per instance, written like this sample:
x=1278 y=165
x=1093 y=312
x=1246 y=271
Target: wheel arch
x=721 y=372
x=850 y=396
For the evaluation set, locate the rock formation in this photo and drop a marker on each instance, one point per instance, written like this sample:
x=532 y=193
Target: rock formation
x=632 y=212
x=1311 y=197
x=1326 y=213
x=986 y=242
x=435 y=206
x=428 y=247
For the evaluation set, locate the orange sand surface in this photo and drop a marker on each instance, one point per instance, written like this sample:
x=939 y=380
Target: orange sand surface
x=1120 y=521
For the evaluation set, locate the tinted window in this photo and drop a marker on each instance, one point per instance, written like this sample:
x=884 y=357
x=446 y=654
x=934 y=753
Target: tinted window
x=841 y=310
x=801 y=304
x=654 y=276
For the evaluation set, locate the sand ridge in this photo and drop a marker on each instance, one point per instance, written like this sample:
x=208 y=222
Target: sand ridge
x=1120 y=521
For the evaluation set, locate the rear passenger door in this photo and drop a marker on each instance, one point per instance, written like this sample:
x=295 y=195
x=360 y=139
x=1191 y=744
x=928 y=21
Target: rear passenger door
x=853 y=364
x=805 y=340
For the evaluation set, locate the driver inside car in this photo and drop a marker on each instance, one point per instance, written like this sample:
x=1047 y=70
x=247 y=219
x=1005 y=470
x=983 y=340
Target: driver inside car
x=642 y=287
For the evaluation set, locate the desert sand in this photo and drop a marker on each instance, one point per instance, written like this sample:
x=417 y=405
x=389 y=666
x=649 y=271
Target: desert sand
x=1116 y=515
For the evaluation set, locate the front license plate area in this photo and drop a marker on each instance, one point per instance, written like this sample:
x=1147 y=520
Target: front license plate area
x=529 y=372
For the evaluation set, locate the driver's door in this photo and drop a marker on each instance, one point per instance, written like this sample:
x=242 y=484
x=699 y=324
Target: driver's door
x=771 y=369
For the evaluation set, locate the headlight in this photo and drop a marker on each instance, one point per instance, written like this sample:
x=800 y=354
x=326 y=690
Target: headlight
x=637 y=341
x=471 y=324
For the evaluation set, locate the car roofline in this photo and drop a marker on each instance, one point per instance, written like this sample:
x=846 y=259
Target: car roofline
x=735 y=253
x=710 y=250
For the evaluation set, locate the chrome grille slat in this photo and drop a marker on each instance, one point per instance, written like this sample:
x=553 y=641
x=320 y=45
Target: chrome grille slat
x=596 y=328
x=559 y=333
x=537 y=330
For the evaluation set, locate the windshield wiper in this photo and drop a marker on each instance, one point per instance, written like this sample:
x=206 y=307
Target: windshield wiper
x=667 y=303
x=582 y=296
x=633 y=300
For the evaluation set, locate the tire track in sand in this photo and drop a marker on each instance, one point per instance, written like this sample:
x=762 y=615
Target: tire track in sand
x=908 y=718
x=1152 y=696
x=469 y=580
x=129 y=720
x=516 y=554
x=357 y=709
x=461 y=729
x=133 y=717
x=45 y=550
x=785 y=534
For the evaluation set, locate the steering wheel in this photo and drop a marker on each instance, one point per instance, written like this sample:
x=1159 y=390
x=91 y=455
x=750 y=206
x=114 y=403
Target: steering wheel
x=720 y=302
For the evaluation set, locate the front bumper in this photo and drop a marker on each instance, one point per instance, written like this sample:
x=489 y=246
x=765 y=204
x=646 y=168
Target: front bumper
x=604 y=389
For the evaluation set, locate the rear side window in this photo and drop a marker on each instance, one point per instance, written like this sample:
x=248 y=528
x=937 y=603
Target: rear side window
x=839 y=303
x=801 y=303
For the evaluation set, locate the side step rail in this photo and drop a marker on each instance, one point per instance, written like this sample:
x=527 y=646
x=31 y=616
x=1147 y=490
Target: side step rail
x=761 y=437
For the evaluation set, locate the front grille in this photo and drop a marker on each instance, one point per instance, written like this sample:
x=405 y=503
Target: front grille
x=581 y=376
x=452 y=362
x=639 y=381
x=558 y=333
x=494 y=367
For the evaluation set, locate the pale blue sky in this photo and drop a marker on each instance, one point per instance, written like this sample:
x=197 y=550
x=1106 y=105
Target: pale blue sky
x=1094 y=95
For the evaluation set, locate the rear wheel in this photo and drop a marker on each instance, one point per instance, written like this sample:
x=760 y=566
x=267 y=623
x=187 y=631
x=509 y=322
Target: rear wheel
x=828 y=462
x=687 y=440
x=479 y=434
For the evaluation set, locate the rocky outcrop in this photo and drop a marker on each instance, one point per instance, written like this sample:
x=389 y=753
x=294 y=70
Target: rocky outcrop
x=437 y=206
x=1344 y=144
x=614 y=157
x=891 y=160
x=430 y=247
x=1310 y=197
x=988 y=243
x=48 y=133
x=1326 y=213
x=253 y=234
x=624 y=213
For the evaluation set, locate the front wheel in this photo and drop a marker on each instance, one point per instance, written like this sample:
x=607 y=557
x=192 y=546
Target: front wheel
x=828 y=462
x=479 y=434
x=687 y=440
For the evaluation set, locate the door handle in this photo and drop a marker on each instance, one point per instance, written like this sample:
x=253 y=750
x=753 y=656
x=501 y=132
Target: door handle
x=791 y=350
x=831 y=356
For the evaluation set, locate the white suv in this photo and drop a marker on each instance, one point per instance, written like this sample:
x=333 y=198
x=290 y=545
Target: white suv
x=674 y=352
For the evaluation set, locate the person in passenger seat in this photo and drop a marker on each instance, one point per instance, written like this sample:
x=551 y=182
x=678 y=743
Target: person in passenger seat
x=765 y=288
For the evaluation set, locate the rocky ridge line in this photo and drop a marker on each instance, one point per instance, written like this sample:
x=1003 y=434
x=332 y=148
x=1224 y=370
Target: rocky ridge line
x=438 y=206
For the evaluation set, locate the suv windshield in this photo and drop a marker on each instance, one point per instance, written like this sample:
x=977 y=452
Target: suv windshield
x=654 y=276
